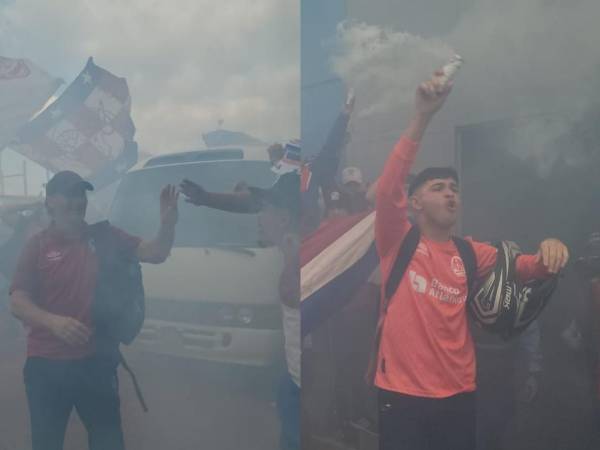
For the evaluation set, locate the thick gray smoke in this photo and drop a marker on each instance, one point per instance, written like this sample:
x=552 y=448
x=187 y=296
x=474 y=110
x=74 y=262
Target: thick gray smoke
x=522 y=58
x=385 y=65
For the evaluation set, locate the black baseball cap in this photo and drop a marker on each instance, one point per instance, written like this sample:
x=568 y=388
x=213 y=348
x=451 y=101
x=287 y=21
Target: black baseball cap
x=67 y=182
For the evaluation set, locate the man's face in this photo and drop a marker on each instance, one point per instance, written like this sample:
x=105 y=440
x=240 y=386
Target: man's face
x=354 y=187
x=273 y=224
x=276 y=153
x=438 y=201
x=68 y=210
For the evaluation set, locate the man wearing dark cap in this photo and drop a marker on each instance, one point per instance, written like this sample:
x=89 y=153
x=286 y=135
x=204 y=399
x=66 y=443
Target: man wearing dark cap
x=425 y=359
x=52 y=293
x=278 y=209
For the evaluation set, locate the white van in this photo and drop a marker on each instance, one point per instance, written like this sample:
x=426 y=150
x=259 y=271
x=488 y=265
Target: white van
x=216 y=297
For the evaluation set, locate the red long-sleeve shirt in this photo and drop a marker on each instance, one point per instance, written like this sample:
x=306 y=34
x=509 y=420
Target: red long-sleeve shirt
x=426 y=348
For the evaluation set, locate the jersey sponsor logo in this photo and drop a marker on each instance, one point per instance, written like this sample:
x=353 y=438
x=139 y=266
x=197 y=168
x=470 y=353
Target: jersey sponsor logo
x=418 y=283
x=446 y=294
x=436 y=289
x=457 y=266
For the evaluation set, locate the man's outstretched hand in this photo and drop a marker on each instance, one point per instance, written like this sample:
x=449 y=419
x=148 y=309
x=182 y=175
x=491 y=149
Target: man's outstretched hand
x=553 y=254
x=194 y=193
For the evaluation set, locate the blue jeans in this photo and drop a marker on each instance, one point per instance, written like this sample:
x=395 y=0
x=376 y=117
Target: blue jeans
x=89 y=385
x=288 y=407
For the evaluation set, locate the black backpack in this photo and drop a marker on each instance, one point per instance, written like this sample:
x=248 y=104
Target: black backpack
x=119 y=307
x=405 y=255
x=119 y=304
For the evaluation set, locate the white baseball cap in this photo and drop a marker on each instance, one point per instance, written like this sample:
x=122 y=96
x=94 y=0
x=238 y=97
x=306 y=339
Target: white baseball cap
x=350 y=174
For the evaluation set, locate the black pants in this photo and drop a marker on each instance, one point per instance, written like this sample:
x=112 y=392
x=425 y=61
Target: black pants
x=417 y=423
x=89 y=385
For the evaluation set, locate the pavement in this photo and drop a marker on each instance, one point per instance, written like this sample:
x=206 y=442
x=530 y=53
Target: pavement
x=193 y=405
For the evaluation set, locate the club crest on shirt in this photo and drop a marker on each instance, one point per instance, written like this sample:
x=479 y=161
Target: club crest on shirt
x=457 y=266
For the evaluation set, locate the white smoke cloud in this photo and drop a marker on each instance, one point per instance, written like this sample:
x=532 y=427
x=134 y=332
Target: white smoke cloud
x=385 y=65
x=188 y=63
x=522 y=58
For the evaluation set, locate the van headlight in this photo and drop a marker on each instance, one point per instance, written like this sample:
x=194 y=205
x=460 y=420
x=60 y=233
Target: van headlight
x=245 y=316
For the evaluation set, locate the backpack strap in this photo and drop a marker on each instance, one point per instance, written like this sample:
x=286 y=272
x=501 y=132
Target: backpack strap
x=100 y=239
x=467 y=254
x=136 y=386
x=99 y=236
x=405 y=254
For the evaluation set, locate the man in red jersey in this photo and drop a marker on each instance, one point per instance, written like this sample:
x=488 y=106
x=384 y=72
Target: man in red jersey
x=53 y=294
x=425 y=366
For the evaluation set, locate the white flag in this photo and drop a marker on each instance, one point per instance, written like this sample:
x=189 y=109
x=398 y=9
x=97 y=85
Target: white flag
x=24 y=90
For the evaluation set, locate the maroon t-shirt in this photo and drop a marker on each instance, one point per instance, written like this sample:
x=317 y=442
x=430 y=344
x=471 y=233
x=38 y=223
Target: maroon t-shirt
x=60 y=275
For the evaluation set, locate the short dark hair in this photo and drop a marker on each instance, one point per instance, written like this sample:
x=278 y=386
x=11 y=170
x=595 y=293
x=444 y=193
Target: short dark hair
x=431 y=173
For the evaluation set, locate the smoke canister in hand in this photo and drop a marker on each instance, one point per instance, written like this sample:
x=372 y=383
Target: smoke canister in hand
x=450 y=70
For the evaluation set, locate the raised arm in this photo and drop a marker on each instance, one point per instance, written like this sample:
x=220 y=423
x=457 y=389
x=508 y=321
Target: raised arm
x=157 y=250
x=236 y=202
x=550 y=259
x=324 y=167
x=391 y=201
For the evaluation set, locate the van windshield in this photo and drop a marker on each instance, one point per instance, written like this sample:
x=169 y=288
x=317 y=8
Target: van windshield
x=135 y=208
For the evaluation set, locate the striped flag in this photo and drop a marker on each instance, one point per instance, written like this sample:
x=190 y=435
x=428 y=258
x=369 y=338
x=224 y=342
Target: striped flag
x=24 y=89
x=335 y=261
x=88 y=129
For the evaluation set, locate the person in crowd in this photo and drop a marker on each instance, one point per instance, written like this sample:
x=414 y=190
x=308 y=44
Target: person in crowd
x=508 y=378
x=278 y=209
x=276 y=153
x=588 y=266
x=53 y=293
x=360 y=196
x=424 y=364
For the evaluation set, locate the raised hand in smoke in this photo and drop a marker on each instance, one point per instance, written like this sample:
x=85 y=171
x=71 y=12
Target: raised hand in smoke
x=432 y=94
x=429 y=98
x=194 y=193
x=169 y=213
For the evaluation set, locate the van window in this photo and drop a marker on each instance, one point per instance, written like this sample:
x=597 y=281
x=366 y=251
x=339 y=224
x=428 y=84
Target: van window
x=136 y=205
